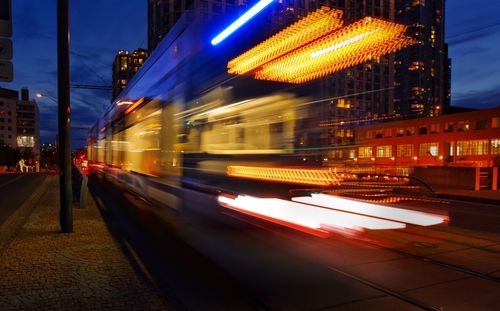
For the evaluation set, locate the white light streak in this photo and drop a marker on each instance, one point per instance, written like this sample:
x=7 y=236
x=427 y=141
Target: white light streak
x=374 y=210
x=343 y=43
x=306 y=215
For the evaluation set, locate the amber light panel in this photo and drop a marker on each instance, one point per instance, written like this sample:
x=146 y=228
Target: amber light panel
x=134 y=105
x=315 y=177
x=357 y=43
x=315 y=25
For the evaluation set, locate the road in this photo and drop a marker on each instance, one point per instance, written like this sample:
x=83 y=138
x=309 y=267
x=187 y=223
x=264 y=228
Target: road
x=15 y=189
x=268 y=267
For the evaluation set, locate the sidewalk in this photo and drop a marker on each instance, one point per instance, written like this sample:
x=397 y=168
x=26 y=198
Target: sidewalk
x=43 y=269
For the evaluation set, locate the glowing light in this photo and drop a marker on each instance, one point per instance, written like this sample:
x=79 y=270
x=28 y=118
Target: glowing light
x=293 y=214
x=374 y=210
x=134 y=105
x=343 y=43
x=125 y=102
x=302 y=59
x=317 y=177
x=240 y=21
x=309 y=28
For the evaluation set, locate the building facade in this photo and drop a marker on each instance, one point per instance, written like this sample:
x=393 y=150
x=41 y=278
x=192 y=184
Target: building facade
x=20 y=121
x=459 y=139
x=125 y=66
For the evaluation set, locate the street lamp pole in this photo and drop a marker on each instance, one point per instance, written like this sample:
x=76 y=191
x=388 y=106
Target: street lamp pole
x=42 y=95
x=65 y=186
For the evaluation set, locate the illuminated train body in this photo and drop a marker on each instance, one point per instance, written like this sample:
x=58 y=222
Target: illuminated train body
x=184 y=120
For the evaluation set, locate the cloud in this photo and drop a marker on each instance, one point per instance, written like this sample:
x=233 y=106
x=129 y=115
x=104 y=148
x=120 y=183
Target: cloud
x=488 y=98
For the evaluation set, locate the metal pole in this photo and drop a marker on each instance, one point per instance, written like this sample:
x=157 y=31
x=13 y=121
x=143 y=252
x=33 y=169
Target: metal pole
x=65 y=190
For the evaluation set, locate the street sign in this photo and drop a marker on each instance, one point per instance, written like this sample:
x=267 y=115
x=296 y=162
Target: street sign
x=5 y=49
x=6 y=71
x=5 y=18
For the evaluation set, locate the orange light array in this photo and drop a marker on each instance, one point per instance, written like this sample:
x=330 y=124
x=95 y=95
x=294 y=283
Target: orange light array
x=315 y=177
x=359 y=42
x=134 y=105
x=313 y=26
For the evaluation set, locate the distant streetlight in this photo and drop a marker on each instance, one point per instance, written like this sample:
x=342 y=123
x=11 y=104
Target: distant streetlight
x=41 y=95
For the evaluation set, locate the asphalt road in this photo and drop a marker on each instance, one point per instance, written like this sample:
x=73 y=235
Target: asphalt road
x=15 y=189
x=226 y=259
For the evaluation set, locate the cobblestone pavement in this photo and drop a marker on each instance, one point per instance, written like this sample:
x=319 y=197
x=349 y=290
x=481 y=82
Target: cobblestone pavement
x=43 y=269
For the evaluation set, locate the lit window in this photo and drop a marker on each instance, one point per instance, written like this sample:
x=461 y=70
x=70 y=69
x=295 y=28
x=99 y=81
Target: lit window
x=405 y=151
x=428 y=149
x=365 y=152
x=472 y=147
x=495 y=146
x=384 y=151
x=26 y=141
x=352 y=153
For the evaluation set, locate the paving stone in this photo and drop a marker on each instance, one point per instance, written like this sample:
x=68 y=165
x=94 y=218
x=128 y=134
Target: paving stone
x=86 y=270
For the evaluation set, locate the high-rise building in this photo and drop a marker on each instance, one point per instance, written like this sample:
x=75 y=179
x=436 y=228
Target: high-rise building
x=125 y=66
x=163 y=14
x=423 y=70
x=20 y=121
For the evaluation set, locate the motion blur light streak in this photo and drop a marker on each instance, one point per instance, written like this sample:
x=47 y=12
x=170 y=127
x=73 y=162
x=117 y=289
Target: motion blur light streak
x=309 y=28
x=294 y=57
x=375 y=210
x=343 y=43
x=354 y=44
x=240 y=21
x=317 y=177
x=124 y=102
x=134 y=105
x=304 y=215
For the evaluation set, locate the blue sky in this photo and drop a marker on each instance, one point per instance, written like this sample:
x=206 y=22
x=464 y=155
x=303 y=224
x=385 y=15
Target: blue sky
x=99 y=28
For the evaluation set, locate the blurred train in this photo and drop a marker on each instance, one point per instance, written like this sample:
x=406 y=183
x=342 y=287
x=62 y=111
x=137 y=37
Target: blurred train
x=183 y=121
x=187 y=135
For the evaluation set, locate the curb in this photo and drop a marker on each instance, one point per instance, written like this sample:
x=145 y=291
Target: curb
x=14 y=223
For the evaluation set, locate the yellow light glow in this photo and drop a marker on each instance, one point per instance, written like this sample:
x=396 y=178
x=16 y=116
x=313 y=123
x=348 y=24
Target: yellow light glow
x=316 y=177
x=349 y=46
x=315 y=25
x=134 y=105
x=315 y=47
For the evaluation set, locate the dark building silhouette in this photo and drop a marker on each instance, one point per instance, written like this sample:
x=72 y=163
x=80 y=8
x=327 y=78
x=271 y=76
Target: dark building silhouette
x=125 y=66
x=423 y=71
x=163 y=14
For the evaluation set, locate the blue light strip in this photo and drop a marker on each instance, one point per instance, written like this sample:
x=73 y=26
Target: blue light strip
x=240 y=21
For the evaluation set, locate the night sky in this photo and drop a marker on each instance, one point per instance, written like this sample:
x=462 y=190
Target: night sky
x=100 y=28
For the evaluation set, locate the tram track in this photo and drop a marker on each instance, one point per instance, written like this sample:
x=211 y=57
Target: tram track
x=442 y=264
x=395 y=294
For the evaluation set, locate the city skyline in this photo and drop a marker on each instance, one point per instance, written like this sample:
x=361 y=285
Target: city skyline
x=471 y=38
